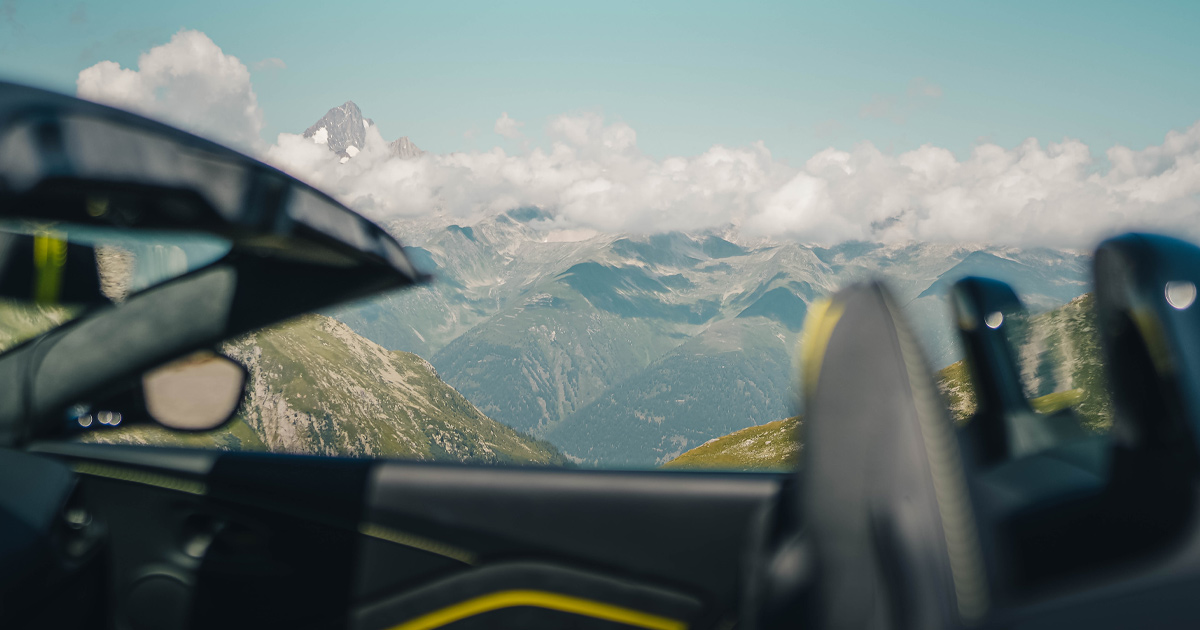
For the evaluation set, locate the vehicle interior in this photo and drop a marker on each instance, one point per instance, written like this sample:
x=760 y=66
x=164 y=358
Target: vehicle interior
x=896 y=518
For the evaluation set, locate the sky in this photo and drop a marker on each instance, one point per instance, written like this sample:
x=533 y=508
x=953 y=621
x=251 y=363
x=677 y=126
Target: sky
x=825 y=121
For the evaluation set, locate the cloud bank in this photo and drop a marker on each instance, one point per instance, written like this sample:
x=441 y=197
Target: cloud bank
x=592 y=175
x=188 y=82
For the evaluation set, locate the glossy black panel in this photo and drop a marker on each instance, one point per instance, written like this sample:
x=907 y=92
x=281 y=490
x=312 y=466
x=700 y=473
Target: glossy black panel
x=685 y=530
x=285 y=554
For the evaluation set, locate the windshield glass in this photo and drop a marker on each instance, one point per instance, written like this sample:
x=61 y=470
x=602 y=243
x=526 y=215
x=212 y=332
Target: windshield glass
x=627 y=351
x=629 y=212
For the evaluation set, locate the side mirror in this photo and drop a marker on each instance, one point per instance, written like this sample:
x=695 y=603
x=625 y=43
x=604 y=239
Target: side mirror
x=199 y=392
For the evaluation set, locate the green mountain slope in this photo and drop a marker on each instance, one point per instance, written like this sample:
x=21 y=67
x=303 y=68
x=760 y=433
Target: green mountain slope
x=771 y=446
x=20 y=321
x=736 y=373
x=539 y=361
x=1061 y=357
x=317 y=387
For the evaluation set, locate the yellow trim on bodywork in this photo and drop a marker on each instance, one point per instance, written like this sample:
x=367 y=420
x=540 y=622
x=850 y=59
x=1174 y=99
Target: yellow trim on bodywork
x=49 y=258
x=540 y=599
x=417 y=542
x=823 y=316
x=1153 y=337
x=132 y=475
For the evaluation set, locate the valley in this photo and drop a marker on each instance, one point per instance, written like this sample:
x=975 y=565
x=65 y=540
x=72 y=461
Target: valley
x=628 y=350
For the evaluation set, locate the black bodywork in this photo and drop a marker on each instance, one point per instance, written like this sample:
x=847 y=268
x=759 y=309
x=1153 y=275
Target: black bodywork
x=898 y=519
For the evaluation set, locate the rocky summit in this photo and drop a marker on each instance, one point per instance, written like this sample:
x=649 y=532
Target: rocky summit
x=344 y=130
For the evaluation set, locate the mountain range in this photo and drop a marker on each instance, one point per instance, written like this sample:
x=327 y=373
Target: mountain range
x=626 y=350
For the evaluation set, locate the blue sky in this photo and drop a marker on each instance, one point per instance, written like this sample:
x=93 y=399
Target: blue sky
x=686 y=75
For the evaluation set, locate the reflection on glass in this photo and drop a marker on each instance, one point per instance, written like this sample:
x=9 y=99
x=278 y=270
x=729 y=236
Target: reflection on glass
x=1060 y=361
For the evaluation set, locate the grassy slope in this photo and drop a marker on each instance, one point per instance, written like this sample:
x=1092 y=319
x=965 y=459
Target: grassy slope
x=317 y=387
x=20 y=321
x=1067 y=341
x=770 y=446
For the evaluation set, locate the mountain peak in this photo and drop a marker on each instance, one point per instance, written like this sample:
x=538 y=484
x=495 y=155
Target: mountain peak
x=341 y=128
x=344 y=130
x=404 y=148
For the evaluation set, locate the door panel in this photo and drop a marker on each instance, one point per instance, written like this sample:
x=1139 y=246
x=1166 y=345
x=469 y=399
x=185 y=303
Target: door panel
x=329 y=542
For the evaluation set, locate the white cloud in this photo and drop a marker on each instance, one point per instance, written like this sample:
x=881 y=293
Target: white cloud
x=508 y=127
x=593 y=177
x=188 y=82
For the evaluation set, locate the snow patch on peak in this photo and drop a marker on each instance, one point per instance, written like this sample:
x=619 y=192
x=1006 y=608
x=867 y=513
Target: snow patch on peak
x=321 y=136
x=352 y=150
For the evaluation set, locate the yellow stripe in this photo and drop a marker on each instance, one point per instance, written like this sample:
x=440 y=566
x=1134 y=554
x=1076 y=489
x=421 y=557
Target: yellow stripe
x=137 y=476
x=417 y=542
x=49 y=258
x=823 y=316
x=540 y=599
x=1153 y=337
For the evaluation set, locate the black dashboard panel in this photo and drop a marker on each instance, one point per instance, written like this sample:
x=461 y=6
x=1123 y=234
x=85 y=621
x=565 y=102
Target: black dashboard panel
x=232 y=540
x=50 y=548
x=688 y=530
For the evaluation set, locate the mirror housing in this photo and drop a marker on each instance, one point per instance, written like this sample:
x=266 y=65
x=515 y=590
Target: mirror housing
x=199 y=392
x=70 y=160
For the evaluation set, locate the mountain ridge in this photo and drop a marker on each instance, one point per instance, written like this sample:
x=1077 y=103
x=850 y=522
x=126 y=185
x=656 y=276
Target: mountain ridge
x=535 y=324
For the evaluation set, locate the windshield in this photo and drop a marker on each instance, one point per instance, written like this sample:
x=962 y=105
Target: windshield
x=628 y=213
x=627 y=351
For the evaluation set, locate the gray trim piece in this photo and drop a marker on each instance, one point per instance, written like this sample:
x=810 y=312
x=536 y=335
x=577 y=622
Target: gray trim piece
x=178 y=460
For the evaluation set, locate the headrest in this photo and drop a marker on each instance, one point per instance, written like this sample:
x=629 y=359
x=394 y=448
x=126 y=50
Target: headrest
x=1150 y=329
x=883 y=492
